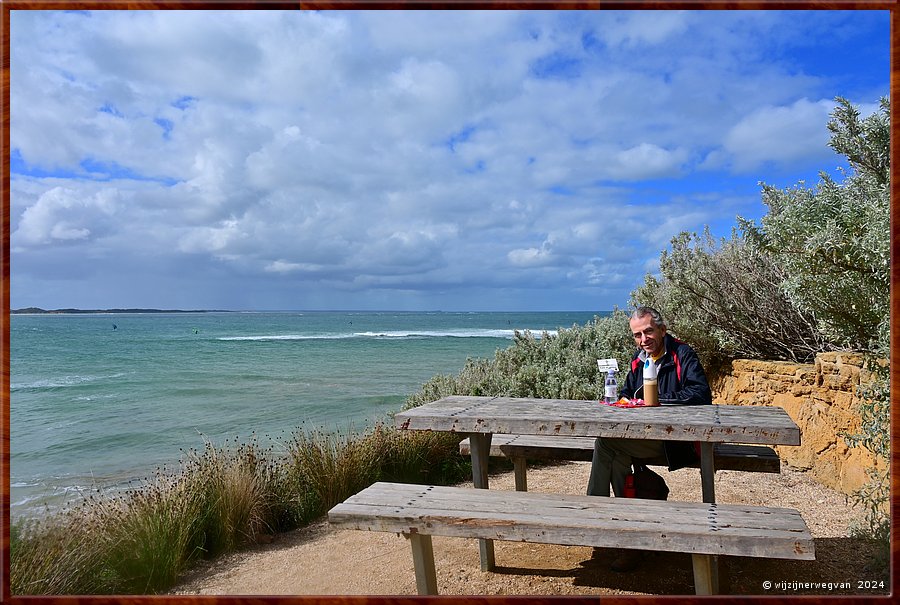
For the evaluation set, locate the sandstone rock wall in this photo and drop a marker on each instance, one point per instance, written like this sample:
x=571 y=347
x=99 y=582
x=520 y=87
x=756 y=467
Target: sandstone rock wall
x=820 y=397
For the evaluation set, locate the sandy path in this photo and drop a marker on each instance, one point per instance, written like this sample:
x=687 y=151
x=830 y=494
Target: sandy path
x=319 y=560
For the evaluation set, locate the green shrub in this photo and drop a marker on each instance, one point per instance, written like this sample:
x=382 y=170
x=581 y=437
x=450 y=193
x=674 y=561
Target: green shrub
x=874 y=436
x=725 y=299
x=561 y=365
x=151 y=536
x=61 y=555
x=233 y=494
x=329 y=467
x=833 y=242
x=418 y=456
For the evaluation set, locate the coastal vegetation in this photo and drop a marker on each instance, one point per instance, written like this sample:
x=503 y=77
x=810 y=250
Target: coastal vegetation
x=811 y=277
x=140 y=540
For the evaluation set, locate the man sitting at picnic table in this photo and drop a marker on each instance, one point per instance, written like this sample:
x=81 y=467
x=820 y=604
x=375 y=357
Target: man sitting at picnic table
x=681 y=381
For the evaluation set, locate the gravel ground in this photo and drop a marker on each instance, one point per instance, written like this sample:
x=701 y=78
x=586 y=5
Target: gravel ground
x=319 y=560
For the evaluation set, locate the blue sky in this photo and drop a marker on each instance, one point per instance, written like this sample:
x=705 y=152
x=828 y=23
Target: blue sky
x=413 y=160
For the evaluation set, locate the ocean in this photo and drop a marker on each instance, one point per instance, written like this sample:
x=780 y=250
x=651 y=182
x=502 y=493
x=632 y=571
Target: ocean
x=98 y=400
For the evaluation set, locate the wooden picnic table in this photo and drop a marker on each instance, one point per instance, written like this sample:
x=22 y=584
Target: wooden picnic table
x=480 y=417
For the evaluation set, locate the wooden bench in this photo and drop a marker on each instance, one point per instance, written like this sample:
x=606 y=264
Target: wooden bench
x=519 y=448
x=703 y=530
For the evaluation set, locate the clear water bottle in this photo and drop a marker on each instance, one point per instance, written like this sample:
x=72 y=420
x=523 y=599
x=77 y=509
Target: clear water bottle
x=611 y=389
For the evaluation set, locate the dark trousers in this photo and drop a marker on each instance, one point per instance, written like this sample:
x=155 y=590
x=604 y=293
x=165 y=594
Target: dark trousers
x=612 y=462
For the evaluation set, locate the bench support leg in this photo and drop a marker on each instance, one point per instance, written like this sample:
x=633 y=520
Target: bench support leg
x=709 y=563
x=480 y=446
x=423 y=562
x=520 y=470
x=706 y=574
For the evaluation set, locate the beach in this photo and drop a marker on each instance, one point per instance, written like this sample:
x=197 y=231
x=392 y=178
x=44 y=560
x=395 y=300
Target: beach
x=319 y=560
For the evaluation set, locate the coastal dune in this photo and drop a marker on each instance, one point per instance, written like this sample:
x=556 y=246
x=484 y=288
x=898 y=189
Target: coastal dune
x=320 y=560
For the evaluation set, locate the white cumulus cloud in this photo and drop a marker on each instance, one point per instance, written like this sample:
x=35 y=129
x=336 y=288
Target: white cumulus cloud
x=779 y=134
x=62 y=214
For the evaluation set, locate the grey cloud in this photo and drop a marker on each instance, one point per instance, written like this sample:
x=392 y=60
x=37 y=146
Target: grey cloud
x=395 y=150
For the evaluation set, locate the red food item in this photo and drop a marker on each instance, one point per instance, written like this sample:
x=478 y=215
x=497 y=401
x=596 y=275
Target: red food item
x=626 y=403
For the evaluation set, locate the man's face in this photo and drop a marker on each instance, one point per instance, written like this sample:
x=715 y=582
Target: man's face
x=647 y=335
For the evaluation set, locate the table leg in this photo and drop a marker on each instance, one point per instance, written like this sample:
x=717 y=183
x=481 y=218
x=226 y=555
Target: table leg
x=480 y=446
x=520 y=469
x=707 y=472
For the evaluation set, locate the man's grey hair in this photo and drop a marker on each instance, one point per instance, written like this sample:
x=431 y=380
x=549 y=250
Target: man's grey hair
x=653 y=313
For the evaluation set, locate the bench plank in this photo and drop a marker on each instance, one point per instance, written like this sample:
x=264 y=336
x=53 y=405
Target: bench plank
x=701 y=529
x=728 y=456
x=580 y=511
x=691 y=527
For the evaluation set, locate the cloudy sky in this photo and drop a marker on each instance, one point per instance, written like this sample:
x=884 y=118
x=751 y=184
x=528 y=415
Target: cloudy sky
x=457 y=160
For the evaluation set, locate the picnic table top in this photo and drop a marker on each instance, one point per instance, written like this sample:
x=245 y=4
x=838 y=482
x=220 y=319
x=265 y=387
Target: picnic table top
x=532 y=416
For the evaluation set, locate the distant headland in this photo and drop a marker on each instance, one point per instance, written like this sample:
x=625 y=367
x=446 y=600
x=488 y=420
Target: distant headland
x=37 y=310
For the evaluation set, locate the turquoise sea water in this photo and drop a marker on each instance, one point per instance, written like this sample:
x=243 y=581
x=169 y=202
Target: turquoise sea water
x=97 y=400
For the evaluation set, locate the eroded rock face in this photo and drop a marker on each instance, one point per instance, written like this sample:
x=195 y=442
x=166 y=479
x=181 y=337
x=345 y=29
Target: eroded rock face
x=821 y=399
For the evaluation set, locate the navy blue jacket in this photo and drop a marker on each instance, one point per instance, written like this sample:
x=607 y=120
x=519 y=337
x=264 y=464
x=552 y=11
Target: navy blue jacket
x=681 y=381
